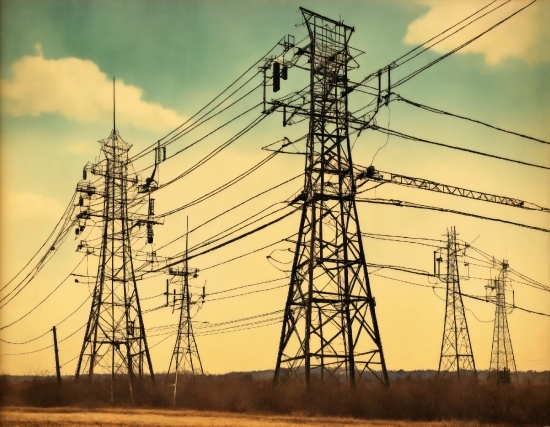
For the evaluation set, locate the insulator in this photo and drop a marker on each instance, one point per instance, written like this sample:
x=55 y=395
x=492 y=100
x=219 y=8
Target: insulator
x=284 y=73
x=163 y=154
x=77 y=231
x=84 y=174
x=150 y=233
x=151 y=206
x=82 y=227
x=276 y=77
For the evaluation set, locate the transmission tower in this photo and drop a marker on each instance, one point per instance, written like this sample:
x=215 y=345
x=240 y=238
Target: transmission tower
x=185 y=357
x=503 y=365
x=115 y=339
x=456 y=348
x=330 y=328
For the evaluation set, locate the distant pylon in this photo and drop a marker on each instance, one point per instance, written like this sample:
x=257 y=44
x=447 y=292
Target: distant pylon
x=456 y=348
x=185 y=357
x=115 y=339
x=329 y=329
x=503 y=365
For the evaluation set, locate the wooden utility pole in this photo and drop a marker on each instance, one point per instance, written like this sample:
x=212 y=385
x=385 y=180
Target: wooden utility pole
x=57 y=367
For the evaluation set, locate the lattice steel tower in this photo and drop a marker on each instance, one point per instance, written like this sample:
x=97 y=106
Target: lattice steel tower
x=456 y=348
x=115 y=339
x=330 y=328
x=185 y=358
x=503 y=365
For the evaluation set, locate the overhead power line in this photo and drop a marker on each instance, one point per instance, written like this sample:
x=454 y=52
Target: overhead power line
x=467 y=150
x=446 y=113
x=401 y=203
x=442 y=57
x=152 y=146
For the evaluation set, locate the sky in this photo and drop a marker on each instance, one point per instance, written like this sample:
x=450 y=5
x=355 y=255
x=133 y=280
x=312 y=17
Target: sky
x=170 y=58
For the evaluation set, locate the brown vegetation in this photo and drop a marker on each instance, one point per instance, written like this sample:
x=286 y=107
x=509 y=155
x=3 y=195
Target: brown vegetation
x=116 y=417
x=409 y=399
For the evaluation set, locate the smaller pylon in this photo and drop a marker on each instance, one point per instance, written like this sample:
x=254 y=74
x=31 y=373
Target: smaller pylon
x=185 y=357
x=503 y=365
x=456 y=348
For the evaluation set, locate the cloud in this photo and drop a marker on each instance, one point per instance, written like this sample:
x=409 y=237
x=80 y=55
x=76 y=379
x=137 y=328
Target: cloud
x=525 y=36
x=79 y=90
x=25 y=205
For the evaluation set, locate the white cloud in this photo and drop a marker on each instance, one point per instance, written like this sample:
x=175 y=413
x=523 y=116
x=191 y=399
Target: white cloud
x=525 y=36
x=79 y=90
x=25 y=205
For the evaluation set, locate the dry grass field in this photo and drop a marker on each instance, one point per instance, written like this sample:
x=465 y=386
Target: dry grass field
x=65 y=417
x=241 y=400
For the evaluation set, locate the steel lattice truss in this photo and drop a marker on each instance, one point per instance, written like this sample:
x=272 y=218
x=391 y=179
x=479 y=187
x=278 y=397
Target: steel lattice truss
x=115 y=339
x=185 y=358
x=330 y=328
x=456 y=348
x=503 y=365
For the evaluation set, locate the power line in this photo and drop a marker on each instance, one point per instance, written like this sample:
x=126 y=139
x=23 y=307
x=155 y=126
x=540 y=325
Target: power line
x=442 y=57
x=246 y=293
x=467 y=150
x=247 y=286
x=221 y=187
x=443 y=32
x=218 y=149
x=242 y=236
x=402 y=203
x=446 y=113
x=456 y=31
x=40 y=303
x=208 y=104
x=69 y=208
x=232 y=208
x=43 y=348
x=49 y=330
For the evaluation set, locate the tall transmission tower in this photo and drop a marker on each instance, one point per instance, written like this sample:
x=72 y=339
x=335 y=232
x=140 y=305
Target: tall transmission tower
x=456 y=348
x=330 y=328
x=185 y=357
x=115 y=339
x=503 y=365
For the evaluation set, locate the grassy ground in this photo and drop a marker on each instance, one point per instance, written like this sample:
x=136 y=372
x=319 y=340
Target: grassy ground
x=249 y=402
x=64 y=417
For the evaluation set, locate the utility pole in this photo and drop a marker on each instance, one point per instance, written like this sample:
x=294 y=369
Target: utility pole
x=502 y=369
x=115 y=339
x=456 y=348
x=330 y=330
x=56 y=350
x=185 y=357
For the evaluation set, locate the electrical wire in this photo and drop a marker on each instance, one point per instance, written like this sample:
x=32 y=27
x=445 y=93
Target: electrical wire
x=242 y=236
x=413 y=74
x=467 y=150
x=402 y=203
x=68 y=209
x=43 y=300
x=222 y=187
x=207 y=105
x=231 y=209
x=446 y=113
x=218 y=149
